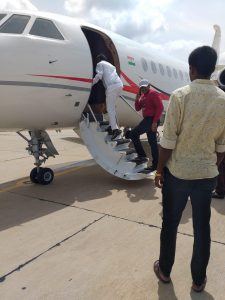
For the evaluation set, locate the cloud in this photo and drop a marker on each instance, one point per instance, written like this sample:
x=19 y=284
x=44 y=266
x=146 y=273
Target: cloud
x=78 y=7
x=127 y=17
x=156 y=22
x=172 y=26
x=17 y=4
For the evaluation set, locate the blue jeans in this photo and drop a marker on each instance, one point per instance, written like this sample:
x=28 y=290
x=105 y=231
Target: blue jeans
x=145 y=127
x=175 y=193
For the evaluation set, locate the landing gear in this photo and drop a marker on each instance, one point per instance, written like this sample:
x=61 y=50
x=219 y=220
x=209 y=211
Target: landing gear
x=39 y=138
x=33 y=175
x=40 y=175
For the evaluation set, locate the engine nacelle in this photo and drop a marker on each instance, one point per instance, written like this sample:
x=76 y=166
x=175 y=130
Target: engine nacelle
x=221 y=79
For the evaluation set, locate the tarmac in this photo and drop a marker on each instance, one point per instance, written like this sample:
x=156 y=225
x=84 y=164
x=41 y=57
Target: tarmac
x=90 y=235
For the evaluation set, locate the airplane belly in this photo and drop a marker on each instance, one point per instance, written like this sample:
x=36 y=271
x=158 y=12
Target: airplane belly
x=40 y=108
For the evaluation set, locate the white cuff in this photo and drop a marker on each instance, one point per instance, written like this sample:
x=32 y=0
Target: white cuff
x=220 y=148
x=167 y=144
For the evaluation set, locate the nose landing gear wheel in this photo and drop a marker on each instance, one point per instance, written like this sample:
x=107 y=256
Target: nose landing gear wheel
x=33 y=175
x=44 y=176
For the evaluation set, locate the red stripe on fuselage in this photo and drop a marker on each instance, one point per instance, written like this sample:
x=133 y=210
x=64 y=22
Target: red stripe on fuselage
x=65 y=77
x=132 y=88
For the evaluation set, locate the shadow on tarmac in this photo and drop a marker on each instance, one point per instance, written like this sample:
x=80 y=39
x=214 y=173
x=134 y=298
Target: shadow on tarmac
x=78 y=186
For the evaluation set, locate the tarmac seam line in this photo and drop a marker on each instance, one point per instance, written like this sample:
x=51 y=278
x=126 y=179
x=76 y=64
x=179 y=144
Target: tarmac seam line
x=3 y=278
x=116 y=217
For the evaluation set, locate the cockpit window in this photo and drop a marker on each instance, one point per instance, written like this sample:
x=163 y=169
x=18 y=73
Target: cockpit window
x=46 y=28
x=15 y=24
x=2 y=16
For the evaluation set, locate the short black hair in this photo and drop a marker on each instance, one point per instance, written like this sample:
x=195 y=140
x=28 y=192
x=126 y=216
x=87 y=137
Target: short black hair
x=204 y=60
x=101 y=56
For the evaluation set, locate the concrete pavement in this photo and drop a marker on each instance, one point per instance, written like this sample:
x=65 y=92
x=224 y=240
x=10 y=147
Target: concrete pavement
x=90 y=235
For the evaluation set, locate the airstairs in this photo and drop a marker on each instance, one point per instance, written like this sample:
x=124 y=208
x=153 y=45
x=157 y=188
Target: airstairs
x=114 y=156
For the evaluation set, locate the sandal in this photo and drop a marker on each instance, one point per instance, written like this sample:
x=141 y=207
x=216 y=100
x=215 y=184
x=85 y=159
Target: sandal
x=199 y=288
x=159 y=273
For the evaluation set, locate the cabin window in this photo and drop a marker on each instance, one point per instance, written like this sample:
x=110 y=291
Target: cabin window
x=153 y=66
x=175 y=73
x=15 y=24
x=161 y=69
x=2 y=16
x=181 y=75
x=46 y=28
x=169 y=72
x=144 y=64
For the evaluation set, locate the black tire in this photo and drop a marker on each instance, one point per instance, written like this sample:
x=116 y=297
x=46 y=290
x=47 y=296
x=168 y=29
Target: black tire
x=33 y=175
x=45 y=176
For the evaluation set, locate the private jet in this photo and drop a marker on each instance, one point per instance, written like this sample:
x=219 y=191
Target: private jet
x=47 y=65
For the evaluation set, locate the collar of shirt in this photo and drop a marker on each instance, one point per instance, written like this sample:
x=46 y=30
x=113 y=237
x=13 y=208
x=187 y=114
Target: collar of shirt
x=203 y=81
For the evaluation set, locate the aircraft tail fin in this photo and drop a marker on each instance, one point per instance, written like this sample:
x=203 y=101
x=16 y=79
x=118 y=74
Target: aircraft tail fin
x=217 y=39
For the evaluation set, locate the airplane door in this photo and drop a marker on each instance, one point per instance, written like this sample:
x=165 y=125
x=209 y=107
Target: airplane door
x=100 y=43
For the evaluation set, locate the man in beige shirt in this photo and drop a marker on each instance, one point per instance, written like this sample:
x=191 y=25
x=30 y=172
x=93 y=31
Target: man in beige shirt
x=192 y=146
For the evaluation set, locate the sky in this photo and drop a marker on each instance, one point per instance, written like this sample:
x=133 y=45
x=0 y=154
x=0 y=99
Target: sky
x=174 y=27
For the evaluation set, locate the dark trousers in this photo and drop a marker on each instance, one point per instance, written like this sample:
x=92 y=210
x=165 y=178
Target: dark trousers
x=175 y=194
x=220 y=187
x=145 y=127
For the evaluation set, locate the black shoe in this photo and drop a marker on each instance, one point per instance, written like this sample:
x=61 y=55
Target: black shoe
x=109 y=130
x=151 y=169
x=115 y=133
x=127 y=134
x=217 y=196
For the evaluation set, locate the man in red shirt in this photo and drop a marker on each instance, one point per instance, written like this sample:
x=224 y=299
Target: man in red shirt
x=151 y=105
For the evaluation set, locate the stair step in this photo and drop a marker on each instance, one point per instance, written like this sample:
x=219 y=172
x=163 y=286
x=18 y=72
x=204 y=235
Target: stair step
x=114 y=156
x=140 y=167
x=139 y=162
x=146 y=171
x=130 y=151
x=122 y=141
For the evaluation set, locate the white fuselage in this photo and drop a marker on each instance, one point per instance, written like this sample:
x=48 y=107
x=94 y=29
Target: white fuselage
x=46 y=83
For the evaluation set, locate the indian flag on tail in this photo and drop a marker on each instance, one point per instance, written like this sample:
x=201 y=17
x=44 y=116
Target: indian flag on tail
x=130 y=60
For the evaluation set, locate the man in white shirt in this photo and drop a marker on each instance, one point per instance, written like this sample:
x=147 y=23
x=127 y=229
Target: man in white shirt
x=113 y=85
x=191 y=149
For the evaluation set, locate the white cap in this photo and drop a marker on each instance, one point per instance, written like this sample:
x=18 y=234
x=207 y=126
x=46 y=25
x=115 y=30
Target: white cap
x=144 y=83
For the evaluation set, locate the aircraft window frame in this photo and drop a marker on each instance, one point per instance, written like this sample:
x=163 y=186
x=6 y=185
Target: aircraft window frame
x=144 y=64
x=168 y=71
x=2 y=16
x=153 y=67
x=175 y=73
x=57 y=35
x=9 y=24
x=161 y=69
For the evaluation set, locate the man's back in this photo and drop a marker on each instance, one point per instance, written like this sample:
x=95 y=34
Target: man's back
x=200 y=126
x=108 y=73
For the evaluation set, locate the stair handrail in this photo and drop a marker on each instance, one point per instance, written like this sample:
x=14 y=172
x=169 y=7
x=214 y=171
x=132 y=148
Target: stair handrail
x=93 y=115
x=125 y=100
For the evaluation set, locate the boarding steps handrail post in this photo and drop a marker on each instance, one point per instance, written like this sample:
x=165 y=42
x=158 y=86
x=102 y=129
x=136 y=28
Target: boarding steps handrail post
x=111 y=155
x=125 y=100
x=93 y=115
